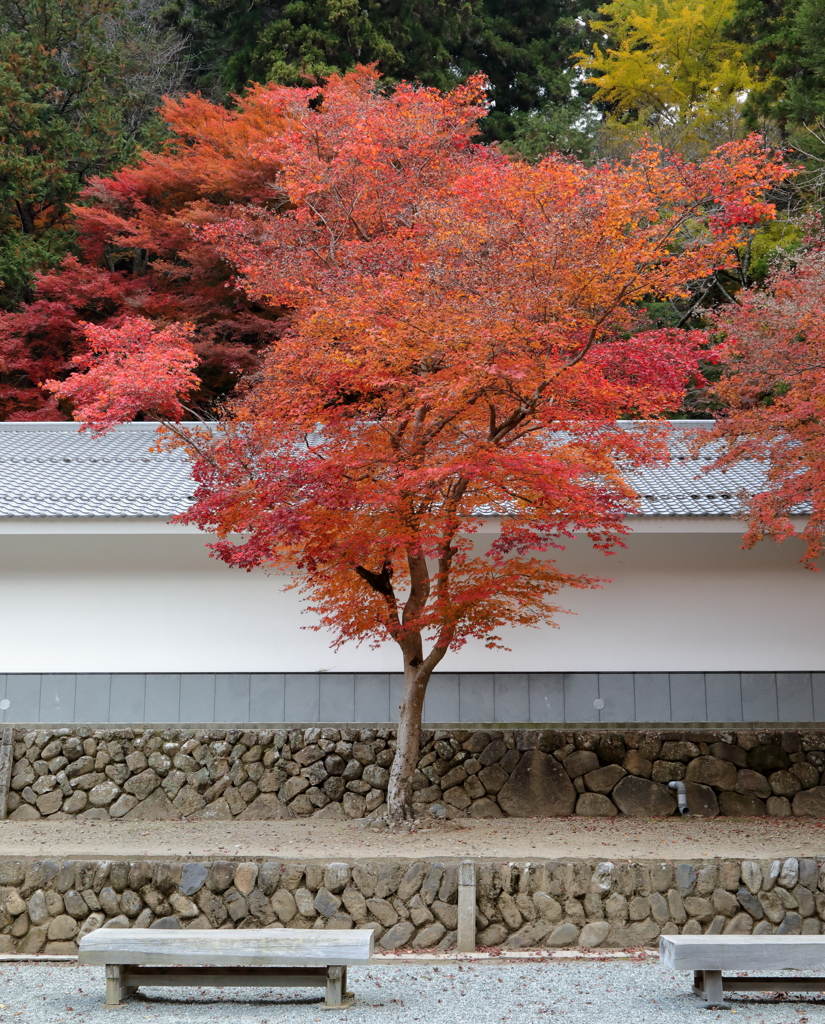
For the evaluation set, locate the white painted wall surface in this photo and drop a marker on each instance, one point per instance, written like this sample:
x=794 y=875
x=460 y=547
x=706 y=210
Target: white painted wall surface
x=112 y=596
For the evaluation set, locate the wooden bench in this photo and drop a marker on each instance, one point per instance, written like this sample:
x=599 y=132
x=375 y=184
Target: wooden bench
x=709 y=955
x=264 y=957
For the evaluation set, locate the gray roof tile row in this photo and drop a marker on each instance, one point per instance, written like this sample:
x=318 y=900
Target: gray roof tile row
x=50 y=470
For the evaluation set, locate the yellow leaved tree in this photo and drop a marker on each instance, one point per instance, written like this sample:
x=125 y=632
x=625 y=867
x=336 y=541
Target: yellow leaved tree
x=666 y=68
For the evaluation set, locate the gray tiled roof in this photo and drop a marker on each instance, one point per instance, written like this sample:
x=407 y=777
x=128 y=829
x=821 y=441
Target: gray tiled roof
x=683 y=488
x=52 y=470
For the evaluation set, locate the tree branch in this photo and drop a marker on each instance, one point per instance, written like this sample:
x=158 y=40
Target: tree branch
x=381 y=582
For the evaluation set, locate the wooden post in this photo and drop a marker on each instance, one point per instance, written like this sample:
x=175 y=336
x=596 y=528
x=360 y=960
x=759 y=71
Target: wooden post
x=466 y=938
x=708 y=986
x=714 y=993
x=6 y=752
x=337 y=997
x=115 y=989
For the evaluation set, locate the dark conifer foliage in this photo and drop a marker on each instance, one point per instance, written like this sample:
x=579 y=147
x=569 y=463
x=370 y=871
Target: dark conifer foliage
x=79 y=84
x=786 y=52
x=523 y=46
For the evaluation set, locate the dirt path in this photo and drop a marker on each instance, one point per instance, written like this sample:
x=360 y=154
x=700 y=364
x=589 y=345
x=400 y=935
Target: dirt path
x=511 y=839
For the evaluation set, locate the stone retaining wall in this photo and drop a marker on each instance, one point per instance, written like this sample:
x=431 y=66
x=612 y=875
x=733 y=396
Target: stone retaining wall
x=343 y=772
x=46 y=906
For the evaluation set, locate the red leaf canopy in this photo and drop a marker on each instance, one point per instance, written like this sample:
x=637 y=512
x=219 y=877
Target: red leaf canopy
x=460 y=346
x=774 y=387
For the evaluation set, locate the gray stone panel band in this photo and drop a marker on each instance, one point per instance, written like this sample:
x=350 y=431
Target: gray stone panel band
x=459 y=697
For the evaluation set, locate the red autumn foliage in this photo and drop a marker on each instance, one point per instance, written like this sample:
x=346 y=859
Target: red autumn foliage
x=740 y=214
x=41 y=341
x=141 y=255
x=358 y=171
x=135 y=368
x=774 y=385
x=457 y=355
x=666 y=358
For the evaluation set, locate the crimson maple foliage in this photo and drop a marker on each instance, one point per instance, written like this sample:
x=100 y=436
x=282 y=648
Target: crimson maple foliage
x=135 y=368
x=141 y=255
x=774 y=388
x=459 y=350
x=41 y=341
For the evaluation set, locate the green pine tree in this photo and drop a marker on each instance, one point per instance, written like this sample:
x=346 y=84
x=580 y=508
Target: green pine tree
x=785 y=51
x=79 y=84
x=523 y=46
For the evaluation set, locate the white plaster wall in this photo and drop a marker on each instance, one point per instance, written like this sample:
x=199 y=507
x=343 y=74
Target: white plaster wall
x=153 y=601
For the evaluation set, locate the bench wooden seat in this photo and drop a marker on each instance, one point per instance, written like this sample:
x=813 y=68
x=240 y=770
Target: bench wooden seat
x=709 y=955
x=264 y=957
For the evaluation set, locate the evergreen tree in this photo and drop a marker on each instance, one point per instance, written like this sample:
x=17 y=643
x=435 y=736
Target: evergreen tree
x=524 y=47
x=79 y=83
x=784 y=48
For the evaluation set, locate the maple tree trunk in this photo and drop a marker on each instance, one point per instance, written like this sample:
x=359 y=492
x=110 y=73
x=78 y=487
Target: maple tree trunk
x=399 y=793
x=417 y=674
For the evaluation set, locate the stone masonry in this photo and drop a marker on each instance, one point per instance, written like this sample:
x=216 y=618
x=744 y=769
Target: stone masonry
x=47 y=906
x=344 y=772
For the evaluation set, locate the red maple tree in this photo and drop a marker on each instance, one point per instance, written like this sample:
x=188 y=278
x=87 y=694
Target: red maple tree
x=774 y=392
x=459 y=349
x=141 y=255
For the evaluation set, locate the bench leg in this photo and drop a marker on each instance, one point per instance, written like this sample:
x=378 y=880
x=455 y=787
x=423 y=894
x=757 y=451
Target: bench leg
x=116 y=990
x=337 y=996
x=708 y=986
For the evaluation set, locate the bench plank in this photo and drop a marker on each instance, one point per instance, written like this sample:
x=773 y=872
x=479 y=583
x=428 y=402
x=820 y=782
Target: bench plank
x=773 y=984
x=124 y=980
x=246 y=947
x=226 y=977
x=742 y=952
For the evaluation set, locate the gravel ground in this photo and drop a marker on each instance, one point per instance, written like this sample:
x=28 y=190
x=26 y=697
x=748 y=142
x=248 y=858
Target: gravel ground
x=570 y=992
x=521 y=838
